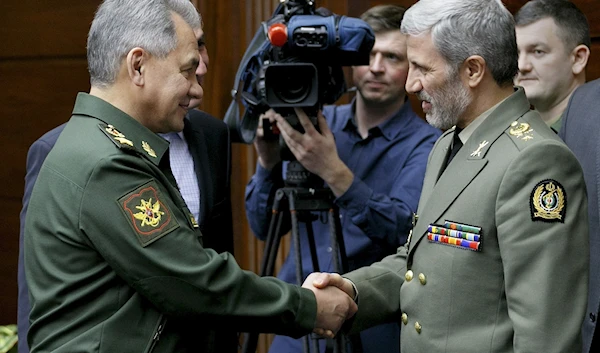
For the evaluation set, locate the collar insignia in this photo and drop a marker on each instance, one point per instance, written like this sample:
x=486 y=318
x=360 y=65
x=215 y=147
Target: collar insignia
x=148 y=149
x=477 y=152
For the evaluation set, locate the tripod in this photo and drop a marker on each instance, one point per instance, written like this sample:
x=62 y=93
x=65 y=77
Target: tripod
x=301 y=201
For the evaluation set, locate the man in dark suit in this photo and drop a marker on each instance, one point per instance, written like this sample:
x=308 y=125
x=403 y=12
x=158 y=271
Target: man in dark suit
x=580 y=131
x=208 y=142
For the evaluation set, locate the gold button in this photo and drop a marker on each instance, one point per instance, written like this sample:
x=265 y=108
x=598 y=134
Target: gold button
x=418 y=327
x=422 y=279
x=404 y=318
x=514 y=123
x=408 y=276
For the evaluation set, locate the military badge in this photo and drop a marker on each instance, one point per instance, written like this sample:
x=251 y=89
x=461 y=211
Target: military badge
x=148 y=149
x=116 y=136
x=548 y=202
x=149 y=217
x=521 y=130
x=477 y=152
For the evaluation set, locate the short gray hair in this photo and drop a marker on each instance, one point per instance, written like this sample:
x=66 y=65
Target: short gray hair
x=121 y=25
x=461 y=28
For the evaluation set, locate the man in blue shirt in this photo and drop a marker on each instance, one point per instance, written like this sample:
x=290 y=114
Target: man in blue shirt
x=371 y=153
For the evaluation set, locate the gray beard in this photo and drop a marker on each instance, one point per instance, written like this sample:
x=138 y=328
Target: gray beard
x=448 y=104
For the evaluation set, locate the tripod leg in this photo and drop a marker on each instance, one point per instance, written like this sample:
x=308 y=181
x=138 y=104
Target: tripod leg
x=341 y=266
x=315 y=262
x=268 y=262
x=334 y=221
x=269 y=242
x=270 y=269
x=313 y=247
x=333 y=235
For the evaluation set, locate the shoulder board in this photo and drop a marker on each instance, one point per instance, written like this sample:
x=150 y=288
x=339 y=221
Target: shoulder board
x=521 y=133
x=117 y=137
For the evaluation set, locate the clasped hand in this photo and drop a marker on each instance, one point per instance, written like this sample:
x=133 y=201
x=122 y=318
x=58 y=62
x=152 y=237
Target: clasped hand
x=335 y=301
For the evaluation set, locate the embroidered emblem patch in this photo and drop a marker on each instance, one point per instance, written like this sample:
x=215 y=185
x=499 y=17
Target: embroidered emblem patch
x=150 y=213
x=548 y=202
x=149 y=217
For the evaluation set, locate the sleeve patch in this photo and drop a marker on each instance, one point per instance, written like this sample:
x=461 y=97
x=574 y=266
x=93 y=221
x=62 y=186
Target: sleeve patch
x=148 y=215
x=548 y=202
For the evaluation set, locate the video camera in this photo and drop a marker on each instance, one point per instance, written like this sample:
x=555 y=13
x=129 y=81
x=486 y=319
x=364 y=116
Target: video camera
x=295 y=60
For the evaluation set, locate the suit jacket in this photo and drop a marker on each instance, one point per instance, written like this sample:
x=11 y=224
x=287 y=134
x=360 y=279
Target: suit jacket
x=580 y=131
x=209 y=144
x=525 y=289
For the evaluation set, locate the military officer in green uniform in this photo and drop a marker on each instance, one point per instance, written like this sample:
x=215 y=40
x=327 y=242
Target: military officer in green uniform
x=114 y=257
x=497 y=261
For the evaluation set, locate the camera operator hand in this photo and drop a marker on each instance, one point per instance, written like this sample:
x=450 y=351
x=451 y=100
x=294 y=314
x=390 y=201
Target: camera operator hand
x=316 y=151
x=268 y=149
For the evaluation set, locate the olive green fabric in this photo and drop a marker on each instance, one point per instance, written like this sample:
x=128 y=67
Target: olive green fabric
x=116 y=264
x=8 y=339
x=526 y=290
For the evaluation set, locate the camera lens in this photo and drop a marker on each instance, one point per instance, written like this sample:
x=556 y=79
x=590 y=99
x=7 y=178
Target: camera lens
x=291 y=84
x=294 y=86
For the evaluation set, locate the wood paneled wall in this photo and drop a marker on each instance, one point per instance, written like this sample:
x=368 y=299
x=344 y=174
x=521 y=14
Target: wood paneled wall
x=43 y=66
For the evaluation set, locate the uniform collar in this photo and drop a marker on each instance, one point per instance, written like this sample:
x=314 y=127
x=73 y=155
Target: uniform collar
x=145 y=141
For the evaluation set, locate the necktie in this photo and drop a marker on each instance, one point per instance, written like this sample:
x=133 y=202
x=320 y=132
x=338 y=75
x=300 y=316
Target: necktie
x=456 y=145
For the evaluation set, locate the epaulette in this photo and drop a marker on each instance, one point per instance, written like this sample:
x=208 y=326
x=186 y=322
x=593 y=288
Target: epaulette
x=117 y=137
x=521 y=134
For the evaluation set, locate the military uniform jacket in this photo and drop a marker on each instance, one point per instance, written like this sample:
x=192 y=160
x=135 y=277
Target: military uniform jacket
x=523 y=287
x=114 y=260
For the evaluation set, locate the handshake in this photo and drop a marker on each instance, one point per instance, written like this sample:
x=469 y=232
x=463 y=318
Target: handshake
x=335 y=301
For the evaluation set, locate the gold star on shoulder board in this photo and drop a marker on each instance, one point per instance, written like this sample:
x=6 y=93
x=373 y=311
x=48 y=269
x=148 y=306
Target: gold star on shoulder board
x=148 y=149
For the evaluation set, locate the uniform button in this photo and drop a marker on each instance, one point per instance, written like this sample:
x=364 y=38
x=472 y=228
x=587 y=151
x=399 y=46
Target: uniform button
x=422 y=279
x=404 y=318
x=329 y=249
x=408 y=276
x=418 y=327
x=592 y=317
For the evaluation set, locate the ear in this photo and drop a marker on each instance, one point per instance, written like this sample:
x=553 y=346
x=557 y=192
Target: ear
x=473 y=70
x=579 y=58
x=135 y=65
